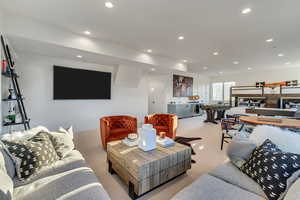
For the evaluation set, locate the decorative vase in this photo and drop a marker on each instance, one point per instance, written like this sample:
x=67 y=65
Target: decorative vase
x=147 y=137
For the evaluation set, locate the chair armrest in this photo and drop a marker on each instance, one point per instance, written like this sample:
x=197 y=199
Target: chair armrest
x=174 y=121
x=147 y=119
x=173 y=125
x=105 y=127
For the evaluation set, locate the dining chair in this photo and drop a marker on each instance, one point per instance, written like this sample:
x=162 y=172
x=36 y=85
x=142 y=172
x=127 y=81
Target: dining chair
x=228 y=130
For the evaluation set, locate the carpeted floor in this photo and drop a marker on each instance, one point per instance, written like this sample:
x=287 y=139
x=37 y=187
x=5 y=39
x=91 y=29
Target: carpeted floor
x=208 y=155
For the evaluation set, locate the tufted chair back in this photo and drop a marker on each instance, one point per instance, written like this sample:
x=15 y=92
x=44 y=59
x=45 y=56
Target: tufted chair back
x=121 y=122
x=163 y=123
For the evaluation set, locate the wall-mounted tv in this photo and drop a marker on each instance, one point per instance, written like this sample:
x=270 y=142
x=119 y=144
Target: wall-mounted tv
x=70 y=83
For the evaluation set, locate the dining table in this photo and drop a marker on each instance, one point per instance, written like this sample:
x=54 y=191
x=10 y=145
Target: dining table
x=272 y=111
x=282 y=123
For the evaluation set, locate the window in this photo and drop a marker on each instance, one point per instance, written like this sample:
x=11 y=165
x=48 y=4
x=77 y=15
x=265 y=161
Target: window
x=217 y=90
x=204 y=93
x=221 y=91
x=227 y=86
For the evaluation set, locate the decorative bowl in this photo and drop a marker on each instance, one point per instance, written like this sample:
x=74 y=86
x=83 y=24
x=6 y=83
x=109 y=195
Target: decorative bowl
x=132 y=136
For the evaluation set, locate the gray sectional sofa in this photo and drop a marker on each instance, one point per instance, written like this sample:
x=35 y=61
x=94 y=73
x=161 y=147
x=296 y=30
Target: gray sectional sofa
x=224 y=182
x=67 y=179
x=227 y=182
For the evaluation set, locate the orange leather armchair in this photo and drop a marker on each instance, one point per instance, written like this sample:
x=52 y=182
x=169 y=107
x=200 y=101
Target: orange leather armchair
x=163 y=123
x=114 y=128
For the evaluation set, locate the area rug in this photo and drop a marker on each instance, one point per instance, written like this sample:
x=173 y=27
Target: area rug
x=186 y=141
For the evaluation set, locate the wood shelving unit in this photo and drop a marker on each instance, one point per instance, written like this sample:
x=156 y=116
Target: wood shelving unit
x=11 y=74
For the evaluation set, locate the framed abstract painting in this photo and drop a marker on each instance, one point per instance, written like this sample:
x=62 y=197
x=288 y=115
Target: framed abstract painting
x=182 y=86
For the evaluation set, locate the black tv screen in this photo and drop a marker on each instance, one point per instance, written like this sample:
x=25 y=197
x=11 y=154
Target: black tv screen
x=70 y=83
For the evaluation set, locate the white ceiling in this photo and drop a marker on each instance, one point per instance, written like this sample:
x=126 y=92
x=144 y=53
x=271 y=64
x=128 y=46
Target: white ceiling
x=208 y=26
x=46 y=49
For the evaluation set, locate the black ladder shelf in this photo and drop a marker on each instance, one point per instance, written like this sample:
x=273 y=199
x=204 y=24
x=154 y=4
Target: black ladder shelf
x=10 y=73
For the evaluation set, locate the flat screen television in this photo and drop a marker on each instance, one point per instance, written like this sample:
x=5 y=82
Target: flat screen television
x=70 y=83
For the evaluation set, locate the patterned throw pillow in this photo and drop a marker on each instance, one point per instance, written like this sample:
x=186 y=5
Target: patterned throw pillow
x=272 y=169
x=32 y=154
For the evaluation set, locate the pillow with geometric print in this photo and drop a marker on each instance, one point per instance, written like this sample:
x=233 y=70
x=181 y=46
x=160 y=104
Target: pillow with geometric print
x=273 y=169
x=31 y=155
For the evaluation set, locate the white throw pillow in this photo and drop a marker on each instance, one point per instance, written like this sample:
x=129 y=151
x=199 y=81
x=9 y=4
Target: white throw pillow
x=294 y=191
x=286 y=140
x=68 y=131
x=62 y=141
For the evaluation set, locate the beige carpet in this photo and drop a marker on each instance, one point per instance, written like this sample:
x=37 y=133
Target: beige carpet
x=208 y=156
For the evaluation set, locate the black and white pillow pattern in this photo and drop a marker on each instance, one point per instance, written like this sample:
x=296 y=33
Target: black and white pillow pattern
x=33 y=154
x=271 y=169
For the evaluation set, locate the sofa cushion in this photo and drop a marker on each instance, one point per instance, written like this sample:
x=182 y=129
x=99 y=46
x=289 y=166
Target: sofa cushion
x=69 y=178
x=6 y=186
x=239 y=150
x=231 y=174
x=208 y=187
x=294 y=191
x=71 y=161
x=272 y=169
x=76 y=184
x=33 y=154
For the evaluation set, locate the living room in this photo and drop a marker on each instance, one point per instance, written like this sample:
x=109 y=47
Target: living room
x=131 y=106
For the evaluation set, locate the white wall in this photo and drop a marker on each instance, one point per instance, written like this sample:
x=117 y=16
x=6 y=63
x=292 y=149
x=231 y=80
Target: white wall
x=250 y=78
x=1 y=56
x=161 y=90
x=36 y=82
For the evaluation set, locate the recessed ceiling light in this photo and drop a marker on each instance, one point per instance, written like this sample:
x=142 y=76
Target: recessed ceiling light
x=205 y=68
x=270 y=40
x=249 y=68
x=280 y=55
x=216 y=53
x=109 y=4
x=246 y=11
x=87 y=32
x=236 y=62
x=220 y=72
x=79 y=56
x=288 y=63
x=181 y=38
x=149 y=50
x=153 y=69
x=185 y=61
